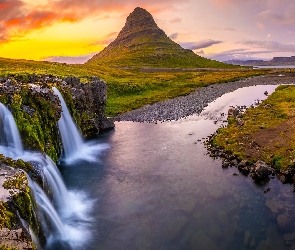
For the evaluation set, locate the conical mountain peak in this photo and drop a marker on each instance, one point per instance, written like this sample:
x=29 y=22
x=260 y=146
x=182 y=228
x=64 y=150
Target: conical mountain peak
x=142 y=43
x=137 y=21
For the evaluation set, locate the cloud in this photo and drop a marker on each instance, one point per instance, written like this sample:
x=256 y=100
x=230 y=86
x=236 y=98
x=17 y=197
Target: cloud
x=106 y=39
x=200 y=44
x=273 y=46
x=176 y=20
x=173 y=36
x=18 y=18
x=279 y=13
x=240 y=53
x=69 y=59
x=285 y=18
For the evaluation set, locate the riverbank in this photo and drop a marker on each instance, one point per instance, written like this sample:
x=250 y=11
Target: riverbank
x=195 y=102
x=261 y=140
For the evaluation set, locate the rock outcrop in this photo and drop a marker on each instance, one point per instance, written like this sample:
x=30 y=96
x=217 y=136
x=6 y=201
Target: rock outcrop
x=37 y=109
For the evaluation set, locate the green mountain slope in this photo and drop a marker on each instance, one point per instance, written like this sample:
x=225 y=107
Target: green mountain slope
x=142 y=43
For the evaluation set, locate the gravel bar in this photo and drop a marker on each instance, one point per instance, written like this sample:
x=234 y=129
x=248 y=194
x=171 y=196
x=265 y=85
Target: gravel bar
x=196 y=101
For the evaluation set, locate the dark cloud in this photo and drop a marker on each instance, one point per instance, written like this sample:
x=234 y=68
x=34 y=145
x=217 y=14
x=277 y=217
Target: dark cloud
x=200 y=44
x=70 y=59
x=173 y=36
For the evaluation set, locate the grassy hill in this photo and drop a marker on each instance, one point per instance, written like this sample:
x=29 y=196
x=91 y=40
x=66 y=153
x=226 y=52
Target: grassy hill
x=141 y=43
x=132 y=88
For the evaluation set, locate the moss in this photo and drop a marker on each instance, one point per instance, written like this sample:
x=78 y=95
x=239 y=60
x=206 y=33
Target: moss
x=7 y=218
x=20 y=191
x=81 y=117
x=18 y=164
x=267 y=132
x=5 y=247
x=38 y=129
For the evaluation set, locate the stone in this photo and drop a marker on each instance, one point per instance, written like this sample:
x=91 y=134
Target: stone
x=283 y=179
x=243 y=167
x=289 y=238
x=275 y=206
x=266 y=190
x=225 y=164
x=234 y=162
x=285 y=221
x=261 y=171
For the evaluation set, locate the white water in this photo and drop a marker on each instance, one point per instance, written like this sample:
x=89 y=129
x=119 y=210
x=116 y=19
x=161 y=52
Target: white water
x=66 y=211
x=73 y=144
x=9 y=134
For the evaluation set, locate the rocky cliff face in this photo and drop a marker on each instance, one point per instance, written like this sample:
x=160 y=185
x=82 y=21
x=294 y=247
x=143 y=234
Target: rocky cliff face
x=37 y=110
x=87 y=101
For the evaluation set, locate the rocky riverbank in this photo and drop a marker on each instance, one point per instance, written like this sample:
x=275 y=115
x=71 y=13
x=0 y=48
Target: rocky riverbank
x=195 y=102
x=259 y=141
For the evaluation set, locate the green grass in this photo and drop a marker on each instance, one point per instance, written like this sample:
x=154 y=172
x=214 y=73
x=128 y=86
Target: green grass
x=268 y=132
x=132 y=88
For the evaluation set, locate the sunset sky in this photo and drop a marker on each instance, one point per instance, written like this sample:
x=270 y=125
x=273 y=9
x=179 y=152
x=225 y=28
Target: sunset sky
x=74 y=30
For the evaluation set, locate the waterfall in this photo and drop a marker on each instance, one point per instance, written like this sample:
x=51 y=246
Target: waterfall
x=71 y=138
x=47 y=208
x=73 y=145
x=52 y=179
x=62 y=212
x=10 y=140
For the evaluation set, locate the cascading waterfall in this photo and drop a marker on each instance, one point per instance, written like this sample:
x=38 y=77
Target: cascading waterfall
x=64 y=210
x=71 y=138
x=73 y=144
x=9 y=135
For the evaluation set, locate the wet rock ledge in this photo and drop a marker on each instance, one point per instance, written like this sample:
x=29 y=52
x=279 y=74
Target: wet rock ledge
x=37 y=110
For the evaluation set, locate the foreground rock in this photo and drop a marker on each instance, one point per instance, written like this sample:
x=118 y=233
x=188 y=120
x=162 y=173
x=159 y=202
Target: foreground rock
x=13 y=233
x=195 y=102
x=37 y=109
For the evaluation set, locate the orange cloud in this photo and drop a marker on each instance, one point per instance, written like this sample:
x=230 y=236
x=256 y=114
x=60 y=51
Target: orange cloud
x=19 y=18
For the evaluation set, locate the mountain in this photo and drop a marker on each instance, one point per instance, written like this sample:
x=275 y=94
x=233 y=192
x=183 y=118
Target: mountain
x=276 y=61
x=142 y=43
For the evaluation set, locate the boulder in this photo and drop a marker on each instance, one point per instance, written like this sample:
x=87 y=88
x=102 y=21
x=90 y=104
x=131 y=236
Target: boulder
x=261 y=171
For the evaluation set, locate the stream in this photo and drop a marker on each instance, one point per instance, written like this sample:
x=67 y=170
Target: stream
x=155 y=187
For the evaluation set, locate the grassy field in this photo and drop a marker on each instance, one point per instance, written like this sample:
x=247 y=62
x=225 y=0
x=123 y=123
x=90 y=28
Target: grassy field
x=132 y=88
x=266 y=132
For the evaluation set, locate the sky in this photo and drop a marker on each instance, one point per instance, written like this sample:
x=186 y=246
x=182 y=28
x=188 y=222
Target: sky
x=72 y=31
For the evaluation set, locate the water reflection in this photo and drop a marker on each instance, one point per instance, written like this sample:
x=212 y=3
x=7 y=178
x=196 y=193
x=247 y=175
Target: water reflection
x=156 y=188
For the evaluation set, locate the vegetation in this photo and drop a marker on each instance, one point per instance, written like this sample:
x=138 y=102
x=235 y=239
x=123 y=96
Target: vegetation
x=130 y=88
x=36 y=118
x=266 y=132
x=21 y=201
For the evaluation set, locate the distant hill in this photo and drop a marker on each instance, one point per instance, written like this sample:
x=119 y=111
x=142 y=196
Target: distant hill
x=142 y=43
x=276 y=61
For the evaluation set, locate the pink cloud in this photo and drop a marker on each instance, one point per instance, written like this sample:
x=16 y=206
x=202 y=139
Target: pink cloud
x=18 y=18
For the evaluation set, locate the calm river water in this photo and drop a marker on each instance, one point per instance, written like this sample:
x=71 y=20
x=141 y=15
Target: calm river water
x=156 y=188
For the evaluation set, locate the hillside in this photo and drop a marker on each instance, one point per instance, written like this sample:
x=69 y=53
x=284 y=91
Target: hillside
x=142 y=43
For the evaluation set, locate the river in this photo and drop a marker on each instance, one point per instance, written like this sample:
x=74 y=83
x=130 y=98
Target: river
x=155 y=187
